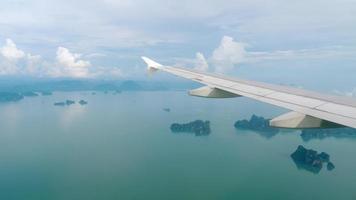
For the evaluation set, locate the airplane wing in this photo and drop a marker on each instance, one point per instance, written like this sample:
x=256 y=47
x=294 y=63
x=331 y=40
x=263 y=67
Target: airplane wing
x=308 y=109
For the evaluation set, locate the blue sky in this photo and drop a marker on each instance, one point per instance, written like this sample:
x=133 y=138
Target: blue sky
x=275 y=40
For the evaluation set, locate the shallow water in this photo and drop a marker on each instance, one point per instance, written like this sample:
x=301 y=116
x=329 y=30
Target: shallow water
x=121 y=147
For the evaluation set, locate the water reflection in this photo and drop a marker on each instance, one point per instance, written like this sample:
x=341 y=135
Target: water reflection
x=310 y=134
x=257 y=124
x=310 y=160
x=70 y=115
x=197 y=127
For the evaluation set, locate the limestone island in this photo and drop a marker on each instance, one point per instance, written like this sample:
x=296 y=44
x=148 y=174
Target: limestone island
x=257 y=124
x=82 y=102
x=197 y=127
x=310 y=160
x=310 y=134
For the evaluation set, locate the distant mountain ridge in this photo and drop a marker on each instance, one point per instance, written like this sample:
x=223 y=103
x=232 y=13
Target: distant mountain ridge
x=90 y=85
x=15 y=90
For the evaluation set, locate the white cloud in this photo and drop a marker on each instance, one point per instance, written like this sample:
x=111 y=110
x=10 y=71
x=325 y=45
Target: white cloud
x=68 y=59
x=95 y=55
x=228 y=54
x=200 y=62
x=33 y=64
x=70 y=64
x=14 y=61
x=107 y=72
x=11 y=52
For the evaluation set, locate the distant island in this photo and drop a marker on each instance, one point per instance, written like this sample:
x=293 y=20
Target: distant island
x=17 y=96
x=17 y=89
x=257 y=124
x=51 y=85
x=30 y=94
x=167 y=109
x=46 y=93
x=310 y=160
x=63 y=103
x=197 y=127
x=10 y=97
x=310 y=134
x=59 y=104
x=82 y=102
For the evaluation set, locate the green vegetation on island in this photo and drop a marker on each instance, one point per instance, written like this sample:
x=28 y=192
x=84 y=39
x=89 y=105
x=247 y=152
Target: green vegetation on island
x=197 y=127
x=257 y=124
x=310 y=160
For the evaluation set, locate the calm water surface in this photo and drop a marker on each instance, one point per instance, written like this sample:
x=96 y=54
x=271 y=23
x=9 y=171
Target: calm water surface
x=121 y=147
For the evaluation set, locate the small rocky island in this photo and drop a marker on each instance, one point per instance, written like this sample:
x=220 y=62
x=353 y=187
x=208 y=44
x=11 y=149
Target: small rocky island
x=257 y=124
x=310 y=134
x=167 y=109
x=63 y=103
x=82 y=102
x=197 y=127
x=310 y=160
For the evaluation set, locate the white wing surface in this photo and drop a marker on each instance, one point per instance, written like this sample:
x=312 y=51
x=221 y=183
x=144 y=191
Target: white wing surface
x=311 y=109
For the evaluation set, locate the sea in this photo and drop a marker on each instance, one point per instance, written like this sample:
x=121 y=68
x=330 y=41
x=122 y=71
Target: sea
x=120 y=146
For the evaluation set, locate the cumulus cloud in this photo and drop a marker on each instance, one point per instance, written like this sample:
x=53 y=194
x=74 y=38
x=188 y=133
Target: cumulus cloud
x=228 y=54
x=14 y=61
x=11 y=52
x=201 y=63
x=68 y=59
x=70 y=64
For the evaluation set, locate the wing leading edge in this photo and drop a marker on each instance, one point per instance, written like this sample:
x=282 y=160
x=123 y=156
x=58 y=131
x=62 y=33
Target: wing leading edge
x=311 y=109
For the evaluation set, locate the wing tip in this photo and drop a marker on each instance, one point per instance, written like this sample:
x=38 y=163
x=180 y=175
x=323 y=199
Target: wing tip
x=151 y=63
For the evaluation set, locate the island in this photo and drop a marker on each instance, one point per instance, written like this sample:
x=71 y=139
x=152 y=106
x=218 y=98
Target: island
x=10 y=97
x=59 y=104
x=257 y=124
x=82 y=102
x=310 y=160
x=30 y=94
x=70 y=102
x=63 y=103
x=197 y=127
x=46 y=93
x=310 y=134
x=167 y=109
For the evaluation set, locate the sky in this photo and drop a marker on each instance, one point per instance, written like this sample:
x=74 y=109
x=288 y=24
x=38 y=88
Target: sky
x=272 y=40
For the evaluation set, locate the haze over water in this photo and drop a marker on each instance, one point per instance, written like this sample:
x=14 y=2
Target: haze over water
x=121 y=147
